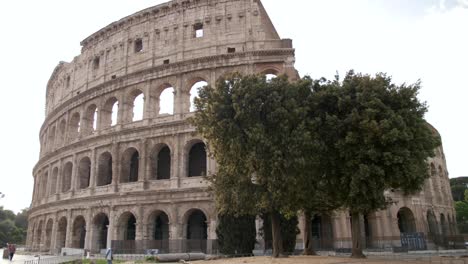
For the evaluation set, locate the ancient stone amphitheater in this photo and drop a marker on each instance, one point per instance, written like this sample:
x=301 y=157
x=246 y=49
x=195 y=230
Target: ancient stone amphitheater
x=120 y=164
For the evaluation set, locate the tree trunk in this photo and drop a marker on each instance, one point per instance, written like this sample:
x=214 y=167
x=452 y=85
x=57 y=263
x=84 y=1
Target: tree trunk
x=277 y=241
x=308 y=246
x=356 y=236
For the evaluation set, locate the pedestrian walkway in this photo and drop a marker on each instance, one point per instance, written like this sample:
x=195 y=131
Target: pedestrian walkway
x=16 y=259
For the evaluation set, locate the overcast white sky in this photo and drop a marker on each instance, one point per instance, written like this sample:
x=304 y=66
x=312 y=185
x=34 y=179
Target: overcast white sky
x=410 y=40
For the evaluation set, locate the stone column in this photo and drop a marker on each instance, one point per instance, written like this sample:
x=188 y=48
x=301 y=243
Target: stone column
x=74 y=176
x=115 y=166
x=139 y=223
x=69 y=234
x=93 y=172
x=112 y=226
x=88 y=238
x=53 y=242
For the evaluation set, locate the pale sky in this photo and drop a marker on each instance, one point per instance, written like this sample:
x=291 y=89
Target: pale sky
x=410 y=40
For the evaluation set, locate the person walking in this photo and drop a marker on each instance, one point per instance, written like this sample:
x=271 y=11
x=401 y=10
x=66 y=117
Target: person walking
x=109 y=256
x=11 y=251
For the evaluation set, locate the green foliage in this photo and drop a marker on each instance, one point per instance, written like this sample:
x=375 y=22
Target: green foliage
x=376 y=138
x=461 y=208
x=236 y=235
x=10 y=231
x=289 y=231
x=458 y=187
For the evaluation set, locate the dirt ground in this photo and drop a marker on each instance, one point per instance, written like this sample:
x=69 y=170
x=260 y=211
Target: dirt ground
x=331 y=260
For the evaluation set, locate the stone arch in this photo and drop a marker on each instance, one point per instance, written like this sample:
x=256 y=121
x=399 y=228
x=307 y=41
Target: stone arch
x=196 y=159
x=39 y=235
x=195 y=84
x=270 y=73
x=196 y=230
x=51 y=139
x=158 y=225
x=109 y=113
x=322 y=231
x=53 y=181
x=90 y=119
x=161 y=162
x=61 y=236
x=444 y=228
x=100 y=225
x=62 y=132
x=74 y=126
x=79 y=232
x=136 y=106
x=130 y=165
x=48 y=234
x=84 y=173
x=406 y=221
x=104 y=176
x=44 y=181
x=126 y=226
x=67 y=176
x=433 y=230
x=165 y=99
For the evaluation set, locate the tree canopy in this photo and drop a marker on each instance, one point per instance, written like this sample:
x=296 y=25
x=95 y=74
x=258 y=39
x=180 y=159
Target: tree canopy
x=13 y=227
x=313 y=145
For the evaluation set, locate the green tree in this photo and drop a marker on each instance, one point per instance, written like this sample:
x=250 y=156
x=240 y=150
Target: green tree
x=257 y=131
x=458 y=187
x=376 y=139
x=289 y=232
x=461 y=208
x=236 y=235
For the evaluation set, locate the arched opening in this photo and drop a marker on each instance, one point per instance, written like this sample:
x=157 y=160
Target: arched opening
x=432 y=224
x=194 y=93
x=130 y=164
x=74 y=129
x=197 y=160
x=67 y=176
x=158 y=230
x=104 y=176
x=109 y=113
x=444 y=226
x=61 y=136
x=161 y=163
x=51 y=138
x=166 y=101
x=138 y=105
x=127 y=227
x=61 y=233
x=197 y=232
x=39 y=236
x=53 y=182
x=100 y=232
x=435 y=183
x=43 y=191
x=79 y=232
x=84 y=173
x=406 y=222
x=90 y=119
x=48 y=235
x=322 y=232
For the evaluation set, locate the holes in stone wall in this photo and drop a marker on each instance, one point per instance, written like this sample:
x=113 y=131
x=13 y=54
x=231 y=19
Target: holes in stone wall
x=104 y=176
x=84 y=173
x=166 y=101
x=96 y=63
x=197 y=160
x=198 y=30
x=130 y=166
x=194 y=93
x=138 y=107
x=231 y=50
x=166 y=62
x=67 y=176
x=138 y=46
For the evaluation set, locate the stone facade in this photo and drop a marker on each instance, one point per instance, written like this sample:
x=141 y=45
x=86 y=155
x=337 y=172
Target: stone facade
x=108 y=171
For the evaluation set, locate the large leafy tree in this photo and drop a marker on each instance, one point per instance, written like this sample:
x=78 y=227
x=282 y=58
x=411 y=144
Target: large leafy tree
x=257 y=131
x=13 y=227
x=375 y=139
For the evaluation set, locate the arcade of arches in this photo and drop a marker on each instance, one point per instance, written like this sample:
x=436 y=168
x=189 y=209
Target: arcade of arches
x=94 y=231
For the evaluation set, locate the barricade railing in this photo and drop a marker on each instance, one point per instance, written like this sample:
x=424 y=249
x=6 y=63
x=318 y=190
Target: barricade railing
x=53 y=259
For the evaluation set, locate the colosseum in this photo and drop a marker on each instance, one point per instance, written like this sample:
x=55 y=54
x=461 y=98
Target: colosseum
x=119 y=163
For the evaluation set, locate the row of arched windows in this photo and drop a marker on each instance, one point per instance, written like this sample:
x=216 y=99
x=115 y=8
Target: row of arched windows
x=156 y=227
x=108 y=115
x=160 y=160
x=439 y=182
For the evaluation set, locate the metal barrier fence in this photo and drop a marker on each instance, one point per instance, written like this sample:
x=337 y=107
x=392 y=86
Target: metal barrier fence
x=53 y=259
x=207 y=246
